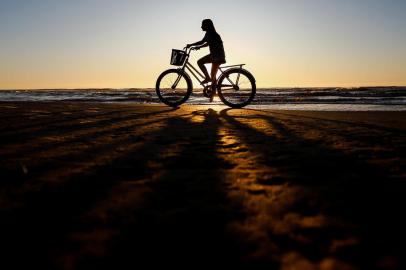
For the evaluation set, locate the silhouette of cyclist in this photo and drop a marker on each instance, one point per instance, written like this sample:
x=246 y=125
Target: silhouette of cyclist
x=216 y=56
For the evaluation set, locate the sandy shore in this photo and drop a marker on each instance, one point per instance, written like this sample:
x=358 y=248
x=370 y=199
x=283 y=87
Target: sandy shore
x=114 y=186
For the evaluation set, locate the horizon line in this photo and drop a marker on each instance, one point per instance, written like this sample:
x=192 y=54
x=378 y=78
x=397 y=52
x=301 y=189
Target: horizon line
x=153 y=88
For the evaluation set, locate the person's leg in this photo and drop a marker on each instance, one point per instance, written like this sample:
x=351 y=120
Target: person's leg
x=214 y=69
x=204 y=60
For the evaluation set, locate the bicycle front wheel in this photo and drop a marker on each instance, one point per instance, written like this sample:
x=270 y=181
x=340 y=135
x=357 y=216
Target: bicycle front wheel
x=173 y=87
x=236 y=88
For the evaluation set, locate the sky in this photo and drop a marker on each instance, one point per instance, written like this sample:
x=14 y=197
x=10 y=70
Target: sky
x=125 y=44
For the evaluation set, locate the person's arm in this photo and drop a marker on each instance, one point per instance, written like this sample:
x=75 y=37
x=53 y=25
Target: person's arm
x=202 y=43
x=202 y=46
x=199 y=43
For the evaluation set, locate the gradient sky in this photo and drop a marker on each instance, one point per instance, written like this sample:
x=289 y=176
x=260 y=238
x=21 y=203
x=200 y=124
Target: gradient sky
x=123 y=43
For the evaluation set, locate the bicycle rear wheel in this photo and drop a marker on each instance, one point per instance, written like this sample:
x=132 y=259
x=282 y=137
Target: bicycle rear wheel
x=173 y=87
x=236 y=88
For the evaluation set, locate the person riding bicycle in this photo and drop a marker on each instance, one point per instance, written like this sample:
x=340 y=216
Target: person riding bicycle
x=216 y=56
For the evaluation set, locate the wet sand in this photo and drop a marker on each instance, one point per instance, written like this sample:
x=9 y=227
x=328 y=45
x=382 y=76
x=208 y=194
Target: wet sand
x=122 y=186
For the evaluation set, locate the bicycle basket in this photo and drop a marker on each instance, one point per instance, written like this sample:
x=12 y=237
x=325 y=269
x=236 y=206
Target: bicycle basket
x=178 y=57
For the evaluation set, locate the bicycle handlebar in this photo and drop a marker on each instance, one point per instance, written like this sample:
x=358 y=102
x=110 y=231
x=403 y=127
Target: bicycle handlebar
x=188 y=50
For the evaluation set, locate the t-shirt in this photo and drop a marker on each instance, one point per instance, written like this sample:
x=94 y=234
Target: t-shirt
x=215 y=45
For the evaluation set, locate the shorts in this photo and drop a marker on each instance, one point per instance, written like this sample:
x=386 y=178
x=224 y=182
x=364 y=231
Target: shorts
x=211 y=59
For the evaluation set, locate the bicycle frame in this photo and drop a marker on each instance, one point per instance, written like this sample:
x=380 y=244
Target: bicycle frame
x=199 y=76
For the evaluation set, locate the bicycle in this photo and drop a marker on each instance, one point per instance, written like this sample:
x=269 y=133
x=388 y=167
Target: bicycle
x=235 y=86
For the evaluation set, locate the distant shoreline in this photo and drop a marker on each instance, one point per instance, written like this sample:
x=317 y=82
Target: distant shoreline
x=403 y=87
x=388 y=98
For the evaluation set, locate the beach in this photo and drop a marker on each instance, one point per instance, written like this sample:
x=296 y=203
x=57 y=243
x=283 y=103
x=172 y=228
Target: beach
x=90 y=185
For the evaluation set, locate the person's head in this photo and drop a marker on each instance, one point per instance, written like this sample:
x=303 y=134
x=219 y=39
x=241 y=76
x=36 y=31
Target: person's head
x=207 y=25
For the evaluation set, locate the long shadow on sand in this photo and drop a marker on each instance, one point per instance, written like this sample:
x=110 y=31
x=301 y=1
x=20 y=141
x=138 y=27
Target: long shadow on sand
x=183 y=217
x=335 y=184
x=185 y=220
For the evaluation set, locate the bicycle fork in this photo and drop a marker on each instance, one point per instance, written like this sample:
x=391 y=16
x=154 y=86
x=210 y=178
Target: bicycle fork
x=176 y=81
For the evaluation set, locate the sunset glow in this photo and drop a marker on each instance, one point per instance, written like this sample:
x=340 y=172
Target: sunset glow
x=126 y=44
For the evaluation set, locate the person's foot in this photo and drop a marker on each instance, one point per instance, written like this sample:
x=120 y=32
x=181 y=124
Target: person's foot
x=213 y=93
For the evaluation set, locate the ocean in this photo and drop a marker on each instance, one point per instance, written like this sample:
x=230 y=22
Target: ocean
x=327 y=99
